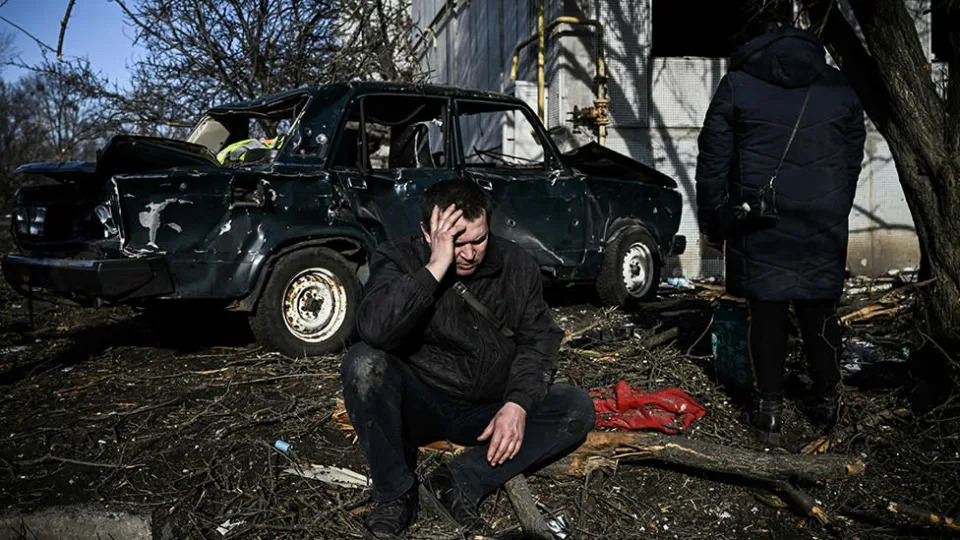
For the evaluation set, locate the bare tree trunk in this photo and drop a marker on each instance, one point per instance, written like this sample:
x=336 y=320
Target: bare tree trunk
x=894 y=82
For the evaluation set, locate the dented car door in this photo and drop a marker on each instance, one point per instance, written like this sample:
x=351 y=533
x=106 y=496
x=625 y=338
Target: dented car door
x=171 y=213
x=390 y=150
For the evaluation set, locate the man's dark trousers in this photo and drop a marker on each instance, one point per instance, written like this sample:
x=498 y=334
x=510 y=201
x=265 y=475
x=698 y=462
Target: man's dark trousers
x=394 y=412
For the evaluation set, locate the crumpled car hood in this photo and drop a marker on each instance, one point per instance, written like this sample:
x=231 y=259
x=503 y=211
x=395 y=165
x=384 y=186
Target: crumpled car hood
x=597 y=160
x=126 y=154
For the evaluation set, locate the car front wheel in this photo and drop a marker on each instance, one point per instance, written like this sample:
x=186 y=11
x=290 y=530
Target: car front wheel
x=309 y=304
x=631 y=269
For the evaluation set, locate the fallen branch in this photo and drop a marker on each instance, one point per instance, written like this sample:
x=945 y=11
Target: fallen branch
x=821 y=445
x=871 y=312
x=48 y=457
x=270 y=419
x=919 y=515
x=659 y=339
x=532 y=522
x=904 y=515
x=574 y=335
x=175 y=401
x=627 y=447
x=888 y=304
x=801 y=501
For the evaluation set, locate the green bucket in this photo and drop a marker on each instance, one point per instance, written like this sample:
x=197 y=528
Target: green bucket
x=729 y=340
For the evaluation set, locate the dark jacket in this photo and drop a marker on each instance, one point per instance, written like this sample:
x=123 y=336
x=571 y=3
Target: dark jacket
x=745 y=132
x=447 y=344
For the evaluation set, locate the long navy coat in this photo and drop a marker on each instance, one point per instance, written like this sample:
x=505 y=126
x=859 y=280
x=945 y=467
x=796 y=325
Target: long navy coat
x=745 y=132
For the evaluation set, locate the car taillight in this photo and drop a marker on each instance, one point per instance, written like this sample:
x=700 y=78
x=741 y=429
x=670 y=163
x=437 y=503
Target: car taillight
x=30 y=220
x=106 y=219
x=20 y=220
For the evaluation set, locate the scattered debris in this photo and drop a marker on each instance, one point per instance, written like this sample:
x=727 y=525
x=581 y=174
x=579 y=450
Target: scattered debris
x=858 y=353
x=678 y=282
x=559 y=527
x=335 y=476
x=229 y=525
x=183 y=426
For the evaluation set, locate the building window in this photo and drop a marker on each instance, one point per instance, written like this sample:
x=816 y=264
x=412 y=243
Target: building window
x=697 y=28
x=944 y=22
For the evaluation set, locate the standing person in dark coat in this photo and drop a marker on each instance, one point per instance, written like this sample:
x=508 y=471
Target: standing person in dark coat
x=430 y=366
x=802 y=259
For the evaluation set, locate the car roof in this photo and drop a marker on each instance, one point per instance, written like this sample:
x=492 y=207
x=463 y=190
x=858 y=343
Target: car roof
x=361 y=88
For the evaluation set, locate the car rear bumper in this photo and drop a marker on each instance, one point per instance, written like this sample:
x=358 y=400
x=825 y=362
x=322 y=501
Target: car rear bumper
x=88 y=281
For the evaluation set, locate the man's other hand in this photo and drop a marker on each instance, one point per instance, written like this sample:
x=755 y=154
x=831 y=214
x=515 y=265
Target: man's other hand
x=506 y=430
x=445 y=226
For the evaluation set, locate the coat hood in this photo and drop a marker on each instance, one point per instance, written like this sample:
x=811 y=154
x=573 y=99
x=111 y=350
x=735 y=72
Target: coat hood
x=788 y=57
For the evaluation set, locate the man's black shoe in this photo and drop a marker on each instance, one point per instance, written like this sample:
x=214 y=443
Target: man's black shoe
x=388 y=519
x=765 y=419
x=443 y=494
x=823 y=410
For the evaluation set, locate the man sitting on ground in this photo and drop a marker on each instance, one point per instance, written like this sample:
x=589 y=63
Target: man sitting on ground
x=475 y=368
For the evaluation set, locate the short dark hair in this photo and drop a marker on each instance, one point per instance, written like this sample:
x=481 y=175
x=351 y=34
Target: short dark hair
x=466 y=195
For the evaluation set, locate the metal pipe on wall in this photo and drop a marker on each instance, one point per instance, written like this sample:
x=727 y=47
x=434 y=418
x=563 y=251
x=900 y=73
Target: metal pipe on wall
x=599 y=115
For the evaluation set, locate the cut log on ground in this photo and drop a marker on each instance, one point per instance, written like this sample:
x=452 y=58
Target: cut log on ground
x=750 y=464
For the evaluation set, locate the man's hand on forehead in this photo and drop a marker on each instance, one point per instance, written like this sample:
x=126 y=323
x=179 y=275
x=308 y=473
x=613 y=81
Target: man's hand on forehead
x=445 y=226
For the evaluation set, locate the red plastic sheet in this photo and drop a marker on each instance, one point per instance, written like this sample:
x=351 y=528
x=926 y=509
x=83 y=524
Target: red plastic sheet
x=622 y=407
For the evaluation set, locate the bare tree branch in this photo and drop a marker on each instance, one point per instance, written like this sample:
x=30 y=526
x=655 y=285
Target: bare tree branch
x=40 y=43
x=63 y=29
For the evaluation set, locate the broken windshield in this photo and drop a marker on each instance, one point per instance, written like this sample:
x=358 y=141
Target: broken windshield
x=231 y=134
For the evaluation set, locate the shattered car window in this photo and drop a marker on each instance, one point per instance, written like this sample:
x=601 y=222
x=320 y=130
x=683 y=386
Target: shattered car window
x=249 y=134
x=498 y=135
x=384 y=132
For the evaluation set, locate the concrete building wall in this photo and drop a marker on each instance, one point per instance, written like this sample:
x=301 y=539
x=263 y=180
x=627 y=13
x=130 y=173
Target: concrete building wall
x=657 y=105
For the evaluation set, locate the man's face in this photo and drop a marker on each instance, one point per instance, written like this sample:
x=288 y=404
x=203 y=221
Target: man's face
x=471 y=245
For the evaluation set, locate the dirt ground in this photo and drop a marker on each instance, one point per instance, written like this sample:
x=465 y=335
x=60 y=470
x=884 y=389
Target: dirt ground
x=177 y=418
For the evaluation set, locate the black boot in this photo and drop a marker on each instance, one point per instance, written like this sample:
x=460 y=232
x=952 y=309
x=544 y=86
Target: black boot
x=764 y=416
x=388 y=519
x=823 y=410
x=443 y=493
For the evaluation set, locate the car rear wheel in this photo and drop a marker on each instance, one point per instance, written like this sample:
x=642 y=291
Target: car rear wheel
x=631 y=269
x=309 y=305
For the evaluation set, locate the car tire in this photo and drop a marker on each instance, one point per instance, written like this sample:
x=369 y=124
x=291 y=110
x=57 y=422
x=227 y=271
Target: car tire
x=631 y=269
x=309 y=305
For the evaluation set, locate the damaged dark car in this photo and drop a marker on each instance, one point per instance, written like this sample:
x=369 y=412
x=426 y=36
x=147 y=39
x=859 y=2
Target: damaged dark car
x=273 y=207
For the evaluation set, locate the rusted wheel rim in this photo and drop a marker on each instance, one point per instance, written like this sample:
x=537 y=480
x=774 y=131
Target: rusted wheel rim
x=314 y=305
x=637 y=270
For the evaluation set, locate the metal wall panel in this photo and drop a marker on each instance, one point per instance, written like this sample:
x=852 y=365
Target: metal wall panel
x=628 y=31
x=682 y=89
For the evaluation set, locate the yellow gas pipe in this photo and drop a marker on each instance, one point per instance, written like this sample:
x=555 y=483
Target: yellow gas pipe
x=600 y=118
